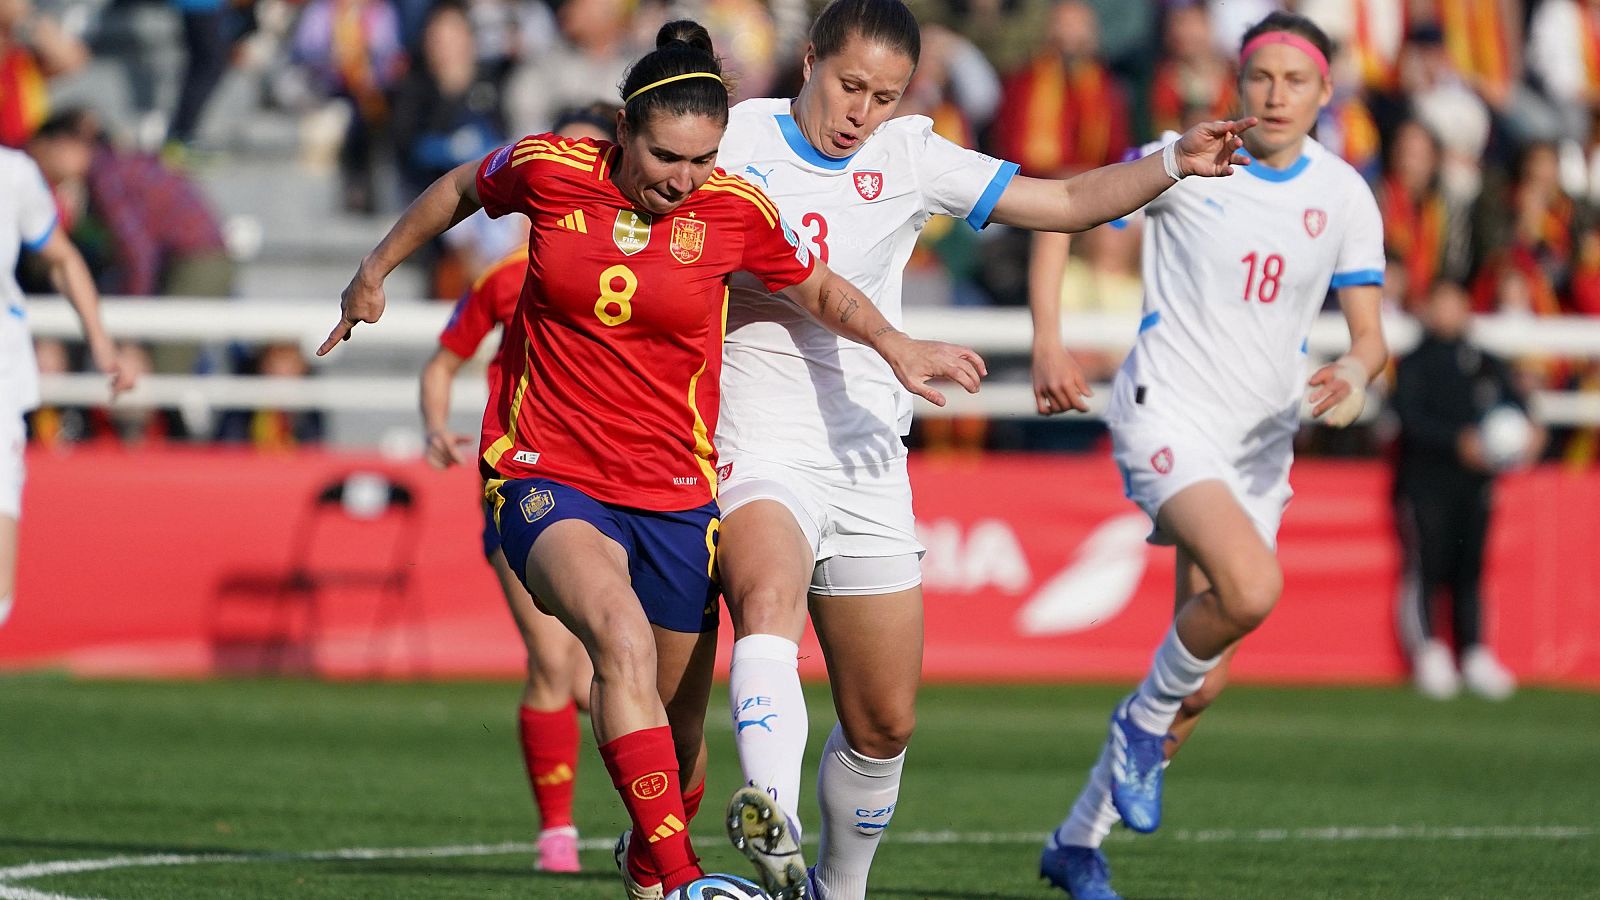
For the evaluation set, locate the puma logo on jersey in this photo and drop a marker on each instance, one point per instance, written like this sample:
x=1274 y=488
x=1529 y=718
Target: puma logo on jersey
x=573 y=221
x=760 y=174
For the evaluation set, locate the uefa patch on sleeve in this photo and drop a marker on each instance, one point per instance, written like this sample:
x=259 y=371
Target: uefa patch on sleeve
x=498 y=160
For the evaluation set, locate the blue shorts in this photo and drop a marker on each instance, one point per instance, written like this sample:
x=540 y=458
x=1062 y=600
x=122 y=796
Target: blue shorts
x=491 y=534
x=671 y=555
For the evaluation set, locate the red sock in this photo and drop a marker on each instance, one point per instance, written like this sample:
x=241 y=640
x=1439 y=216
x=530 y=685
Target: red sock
x=691 y=800
x=644 y=769
x=550 y=751
x=639 y=860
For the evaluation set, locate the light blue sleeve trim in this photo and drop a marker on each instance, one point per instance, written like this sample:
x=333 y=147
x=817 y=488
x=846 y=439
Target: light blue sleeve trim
x=1119 y=224
x=1358 y=277
x=1151 y=320
x=979 y=217
x=37 y=244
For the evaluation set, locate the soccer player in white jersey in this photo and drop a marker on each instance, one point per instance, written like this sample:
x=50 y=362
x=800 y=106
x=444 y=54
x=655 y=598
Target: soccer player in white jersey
x=28 y=222
x=815 y=498
x=1204 y=410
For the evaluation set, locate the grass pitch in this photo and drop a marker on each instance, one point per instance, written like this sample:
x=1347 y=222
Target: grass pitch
x=121 y=790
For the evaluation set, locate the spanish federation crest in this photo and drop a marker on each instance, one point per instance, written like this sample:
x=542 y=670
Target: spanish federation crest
x=688 y=238
x=537 y=504
x=631 y=231
x=868 y=184
x=1315 y=220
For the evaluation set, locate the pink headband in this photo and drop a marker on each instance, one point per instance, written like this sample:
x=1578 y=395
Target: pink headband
x=1288 y=39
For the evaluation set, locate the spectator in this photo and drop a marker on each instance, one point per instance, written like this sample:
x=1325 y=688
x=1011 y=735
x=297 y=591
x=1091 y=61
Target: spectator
x=33 y=50
x=352 y=49
x=1433 y=92
x=1585 y=291
x=584 y=68
x=743 y=31
x=954 y=85
x=206 y=59
x=158 y=234
x=1446 y=390
x=1535 y=239
x=1416 y=219
x=1064 y=112
x=447 y=109
x=54 y=426
x=1191 y=77
x=508 y=31
x=274 y=430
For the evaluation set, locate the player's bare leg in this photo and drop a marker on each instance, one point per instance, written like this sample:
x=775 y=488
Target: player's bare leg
x=765 y=562
x=8 y=565
x=582 y=577
x=873 y=646
x=548 y=718
x=1190 y=582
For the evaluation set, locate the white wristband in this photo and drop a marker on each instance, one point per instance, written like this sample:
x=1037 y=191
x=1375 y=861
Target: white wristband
x=1169 y=161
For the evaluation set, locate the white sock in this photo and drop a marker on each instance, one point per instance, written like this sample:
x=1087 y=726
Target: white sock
x=1093 y=814
x=1174 y=675
x=856 y=795
x=769 y=717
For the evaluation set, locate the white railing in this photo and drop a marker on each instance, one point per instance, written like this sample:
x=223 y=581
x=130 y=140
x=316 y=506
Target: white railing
x=414 y=327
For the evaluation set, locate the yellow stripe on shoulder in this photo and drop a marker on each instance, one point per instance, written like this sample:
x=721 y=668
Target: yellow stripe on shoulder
x=551 y=157
x=560 y=144
x=759 y=195
x=578 y=152
x=772 y=220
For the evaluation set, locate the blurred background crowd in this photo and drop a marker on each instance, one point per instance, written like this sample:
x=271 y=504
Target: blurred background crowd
x=240 y=149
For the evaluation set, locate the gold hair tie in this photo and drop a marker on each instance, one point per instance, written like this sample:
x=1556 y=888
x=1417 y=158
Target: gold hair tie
x=655 y=84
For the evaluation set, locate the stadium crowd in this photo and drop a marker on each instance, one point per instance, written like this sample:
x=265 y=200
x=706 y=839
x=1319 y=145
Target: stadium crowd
x=1474 y=121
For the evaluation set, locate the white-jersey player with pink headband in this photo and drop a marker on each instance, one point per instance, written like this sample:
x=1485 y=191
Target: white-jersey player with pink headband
x=1204 y=411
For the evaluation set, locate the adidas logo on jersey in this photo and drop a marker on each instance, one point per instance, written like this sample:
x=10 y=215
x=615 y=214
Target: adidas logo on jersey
x=573 y=221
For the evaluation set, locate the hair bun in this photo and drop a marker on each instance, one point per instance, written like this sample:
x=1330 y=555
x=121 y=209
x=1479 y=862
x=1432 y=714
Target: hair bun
x=686 y=32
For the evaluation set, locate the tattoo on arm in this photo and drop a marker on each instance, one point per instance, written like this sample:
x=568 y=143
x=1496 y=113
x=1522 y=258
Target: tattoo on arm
x=822 y=302
x=883 y=331
x=848 y=309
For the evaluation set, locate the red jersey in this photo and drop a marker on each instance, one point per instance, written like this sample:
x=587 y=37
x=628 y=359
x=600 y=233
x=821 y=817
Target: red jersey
x=610 y=365
x=491 y=301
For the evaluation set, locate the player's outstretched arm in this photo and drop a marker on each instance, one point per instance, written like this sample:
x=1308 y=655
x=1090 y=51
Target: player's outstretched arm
x=70 y=277
x=1338 y=391
x=444 y=446
x=451 y=198
x=847 y=312
x=1100 y=195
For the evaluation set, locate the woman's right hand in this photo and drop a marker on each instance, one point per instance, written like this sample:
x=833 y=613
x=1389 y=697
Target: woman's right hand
x=362 y=301
x=915 y=363
x=444 y=449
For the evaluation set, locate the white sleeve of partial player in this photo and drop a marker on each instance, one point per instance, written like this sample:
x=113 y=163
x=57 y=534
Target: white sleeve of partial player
x=1361 y=258
x=34 y=206
x=956 y=181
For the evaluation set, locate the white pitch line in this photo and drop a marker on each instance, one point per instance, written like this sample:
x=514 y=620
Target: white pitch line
x=26 y=871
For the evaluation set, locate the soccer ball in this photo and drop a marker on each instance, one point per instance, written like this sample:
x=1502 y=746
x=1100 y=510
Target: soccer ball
x=1505 y=432
x=718 y=887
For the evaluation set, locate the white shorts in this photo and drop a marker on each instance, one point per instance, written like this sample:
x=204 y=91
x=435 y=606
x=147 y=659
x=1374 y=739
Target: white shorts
x=13 y=436
x=858 y=520
x=1160 y=456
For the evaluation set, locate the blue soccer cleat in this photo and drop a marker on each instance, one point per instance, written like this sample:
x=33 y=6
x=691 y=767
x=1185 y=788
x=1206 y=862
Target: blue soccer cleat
x=1080 y=871
x=1138 y=762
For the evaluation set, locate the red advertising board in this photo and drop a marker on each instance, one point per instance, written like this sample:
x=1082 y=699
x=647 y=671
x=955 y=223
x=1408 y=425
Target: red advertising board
x=184 y=562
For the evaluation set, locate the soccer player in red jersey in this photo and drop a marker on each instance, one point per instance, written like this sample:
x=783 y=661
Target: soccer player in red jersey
x=558 y=671
x=597 y=440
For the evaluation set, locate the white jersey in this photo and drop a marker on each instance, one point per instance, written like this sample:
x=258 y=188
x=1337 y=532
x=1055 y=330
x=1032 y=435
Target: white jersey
x=27 y=219
x=1235 y=271
x=791 y=389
